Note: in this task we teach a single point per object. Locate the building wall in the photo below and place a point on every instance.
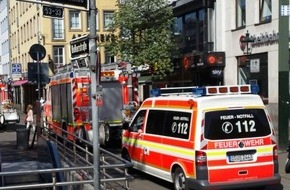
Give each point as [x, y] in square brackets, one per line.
[28, 27]
[4, 38]
[232, 43]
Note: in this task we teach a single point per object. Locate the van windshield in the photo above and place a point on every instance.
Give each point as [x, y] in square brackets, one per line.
[232, 124]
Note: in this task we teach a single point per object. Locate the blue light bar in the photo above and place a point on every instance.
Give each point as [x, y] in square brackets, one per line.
[199, 91]
[255, 89]
[155, 92]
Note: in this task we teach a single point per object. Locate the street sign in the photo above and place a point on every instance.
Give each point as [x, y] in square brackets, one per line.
[52, 11]
[16, 70]
[37, 52]
[79, 46]
[81, 3]
[33, 74]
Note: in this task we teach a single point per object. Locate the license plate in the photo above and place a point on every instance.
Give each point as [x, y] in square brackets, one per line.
[241, 158]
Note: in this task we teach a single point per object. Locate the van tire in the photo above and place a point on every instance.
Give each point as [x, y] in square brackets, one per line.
[179, 179]
[126, 156]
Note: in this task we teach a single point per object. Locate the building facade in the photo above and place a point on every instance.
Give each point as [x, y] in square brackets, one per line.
[221, 26]
[4, 42]
[28, 26]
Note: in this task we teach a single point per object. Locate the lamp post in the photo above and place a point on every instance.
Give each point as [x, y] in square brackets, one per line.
[246, 45]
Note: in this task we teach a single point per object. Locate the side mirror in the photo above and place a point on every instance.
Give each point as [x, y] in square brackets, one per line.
[125, 126]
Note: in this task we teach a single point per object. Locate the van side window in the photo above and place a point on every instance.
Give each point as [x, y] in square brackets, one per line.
[138, 121]
[177, 124]
[169, 123]
[155, 122]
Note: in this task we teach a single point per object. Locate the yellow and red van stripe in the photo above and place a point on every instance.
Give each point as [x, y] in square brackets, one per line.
[162, 155]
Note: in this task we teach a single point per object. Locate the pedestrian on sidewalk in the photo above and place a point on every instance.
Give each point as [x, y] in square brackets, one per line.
[29, 118]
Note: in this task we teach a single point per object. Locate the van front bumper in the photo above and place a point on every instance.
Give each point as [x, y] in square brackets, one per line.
[204, 185]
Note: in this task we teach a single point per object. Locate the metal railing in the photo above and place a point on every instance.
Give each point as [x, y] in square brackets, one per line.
[76, 168]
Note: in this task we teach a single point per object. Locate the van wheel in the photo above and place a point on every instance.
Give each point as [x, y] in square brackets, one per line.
[126, 156]
[179, 179]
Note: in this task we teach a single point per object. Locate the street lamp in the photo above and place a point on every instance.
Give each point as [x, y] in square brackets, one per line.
[246, 46]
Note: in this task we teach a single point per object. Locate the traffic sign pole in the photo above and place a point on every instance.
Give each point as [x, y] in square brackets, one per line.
[94, 84]
[283, 105]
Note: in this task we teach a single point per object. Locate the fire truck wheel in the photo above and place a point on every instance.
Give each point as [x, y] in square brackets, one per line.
[82, 134]
[104, 133]
[179, 179]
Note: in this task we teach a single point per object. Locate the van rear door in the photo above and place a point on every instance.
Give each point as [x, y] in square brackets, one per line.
[239, 144]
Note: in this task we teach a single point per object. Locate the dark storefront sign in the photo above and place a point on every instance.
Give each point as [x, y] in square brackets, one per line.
[217, 73]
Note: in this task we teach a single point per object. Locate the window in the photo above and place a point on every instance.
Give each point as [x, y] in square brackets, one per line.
[155, 122]
[57, 28]
[265, 10]
[58, 55]
[138, 121]
[236, 124]
[108, 19]
[88, 21]
[173, 124]
[178, 26]
[75, 20]
[110, 58]
[240, 13]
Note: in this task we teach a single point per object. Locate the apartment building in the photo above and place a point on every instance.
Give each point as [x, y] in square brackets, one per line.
[28, 26]
[4, 42]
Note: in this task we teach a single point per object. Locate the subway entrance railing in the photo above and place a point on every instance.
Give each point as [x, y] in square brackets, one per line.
[67, 165]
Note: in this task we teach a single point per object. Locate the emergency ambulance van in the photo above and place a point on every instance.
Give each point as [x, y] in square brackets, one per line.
[215, 137]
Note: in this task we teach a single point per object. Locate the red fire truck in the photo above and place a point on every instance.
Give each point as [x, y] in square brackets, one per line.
[68, 103]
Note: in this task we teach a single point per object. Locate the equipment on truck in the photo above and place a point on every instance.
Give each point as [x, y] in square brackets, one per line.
[68, 104]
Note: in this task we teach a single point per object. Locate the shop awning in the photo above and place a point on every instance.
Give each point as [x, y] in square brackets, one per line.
[19, 82]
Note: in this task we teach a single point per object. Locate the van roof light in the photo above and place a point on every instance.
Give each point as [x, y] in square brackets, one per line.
[219, 90]
[206, 90]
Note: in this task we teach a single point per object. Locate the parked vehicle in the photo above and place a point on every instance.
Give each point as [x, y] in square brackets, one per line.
[215, 137]
[8, 113]
[68, 103]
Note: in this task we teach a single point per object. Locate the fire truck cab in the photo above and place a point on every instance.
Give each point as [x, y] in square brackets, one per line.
[215, 137]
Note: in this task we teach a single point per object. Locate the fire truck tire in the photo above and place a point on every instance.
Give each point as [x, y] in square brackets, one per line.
[82, 134]
[104, 134]
[179, 179]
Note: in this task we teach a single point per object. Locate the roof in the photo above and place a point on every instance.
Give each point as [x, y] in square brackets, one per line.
[204, 102]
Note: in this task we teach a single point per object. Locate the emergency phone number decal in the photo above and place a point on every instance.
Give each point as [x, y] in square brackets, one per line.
[245, 123]
[180, 125]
